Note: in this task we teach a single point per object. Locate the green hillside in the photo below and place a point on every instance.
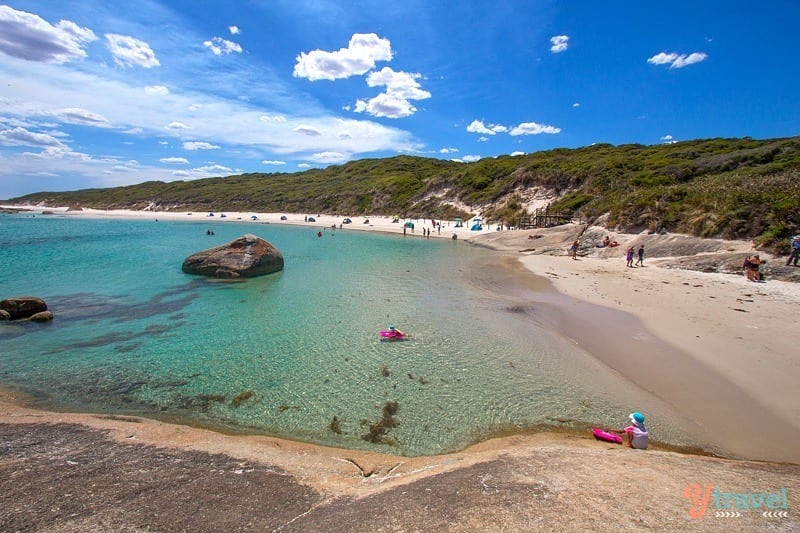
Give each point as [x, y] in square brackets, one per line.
[730, 188]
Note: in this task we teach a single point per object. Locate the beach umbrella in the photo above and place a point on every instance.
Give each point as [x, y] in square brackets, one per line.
[254, 217]
[409, 224]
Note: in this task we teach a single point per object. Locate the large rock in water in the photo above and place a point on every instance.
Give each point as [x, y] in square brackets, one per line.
[22, 307]
[246, 257]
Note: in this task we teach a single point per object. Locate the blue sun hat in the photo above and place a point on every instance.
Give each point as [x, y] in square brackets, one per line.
[637, 417]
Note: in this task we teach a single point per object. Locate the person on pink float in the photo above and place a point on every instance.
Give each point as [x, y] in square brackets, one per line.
[636, 433]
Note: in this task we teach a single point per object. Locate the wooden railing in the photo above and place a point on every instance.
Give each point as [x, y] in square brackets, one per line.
[544, 217]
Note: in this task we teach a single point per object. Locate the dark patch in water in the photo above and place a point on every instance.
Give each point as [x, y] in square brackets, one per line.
[157, 329]
[126, 348]
[519, 309]
[92, 306]
[103, 340]
[121, 418]
[202, 402]
[57, 239]
[377, 431]
[242, 397]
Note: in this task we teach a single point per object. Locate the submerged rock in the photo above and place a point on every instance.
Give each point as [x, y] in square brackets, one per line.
[247, 257]
[22, 307]
[44, 316]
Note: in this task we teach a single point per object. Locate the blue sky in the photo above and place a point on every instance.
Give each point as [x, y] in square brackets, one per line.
[105, 93]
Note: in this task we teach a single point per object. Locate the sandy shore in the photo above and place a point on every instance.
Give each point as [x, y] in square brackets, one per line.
[716, 348]
[320, 222]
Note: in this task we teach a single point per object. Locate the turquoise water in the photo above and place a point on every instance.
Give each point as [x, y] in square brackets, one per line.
[134, 334]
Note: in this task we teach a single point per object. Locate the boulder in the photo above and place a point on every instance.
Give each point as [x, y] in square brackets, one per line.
[247, 257]
[23, 306]
[44, 316]
[5, 315]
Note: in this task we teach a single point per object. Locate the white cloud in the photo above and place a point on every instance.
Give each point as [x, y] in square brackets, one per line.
[268, 162]
[482, 139]
[448, 150]
[212, 168]
[576, 104]
[477, 126]
[177, 126]
[667, 137]
[532, 128]
[677, 60]
[28, 36]
[127, 166]
[218, 46]
[62, 153]
[22, 137]
[305, 129]
[181, 174]
[163, 143]
[394, 103]
[402, 84]
[303, 165]
[234, 30]
[131, 52]
[662, 58]
[386, 105]
[559, 43]
[175, 160]
[516, 154]
[199, 145]
[363, 50]
[471, 158]
[272, 118]
[694, 57]
[156, 90]
[76, 115]
[328, 157]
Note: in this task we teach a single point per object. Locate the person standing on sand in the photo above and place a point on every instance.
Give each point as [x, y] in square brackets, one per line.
[629, 257]
[753, 268]
[574, 250]
[640, 261]
[794, 254]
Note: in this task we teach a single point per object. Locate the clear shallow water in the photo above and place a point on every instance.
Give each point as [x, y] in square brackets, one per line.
[134, 334]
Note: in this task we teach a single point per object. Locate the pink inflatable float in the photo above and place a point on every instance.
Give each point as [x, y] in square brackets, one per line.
[392, 334]
[599, 434]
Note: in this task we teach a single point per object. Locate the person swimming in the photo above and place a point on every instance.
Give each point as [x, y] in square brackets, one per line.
[395, 332]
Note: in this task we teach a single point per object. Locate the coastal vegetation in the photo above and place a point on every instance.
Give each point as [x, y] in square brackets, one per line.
[729, 188]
